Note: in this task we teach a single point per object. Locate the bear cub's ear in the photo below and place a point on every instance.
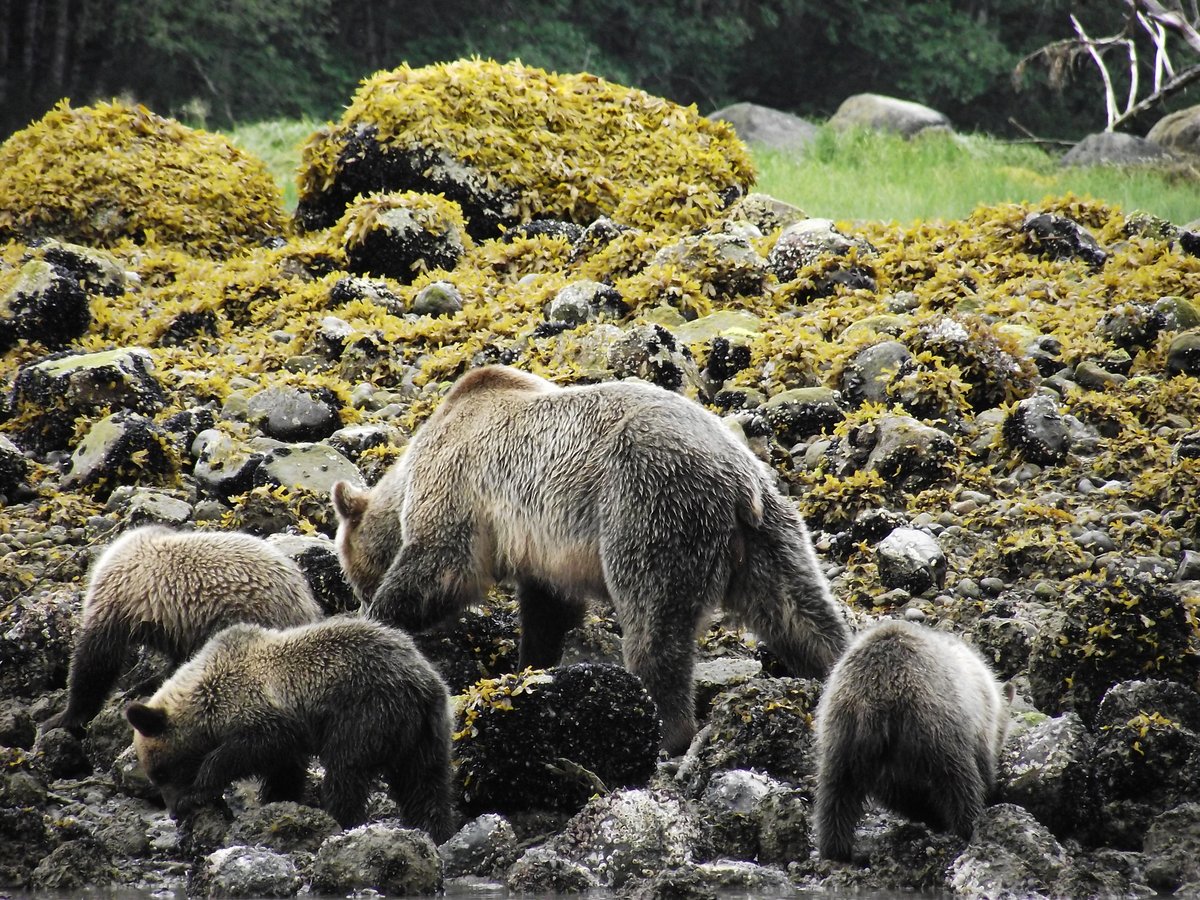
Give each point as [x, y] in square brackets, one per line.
[148, 720]
[349, 502]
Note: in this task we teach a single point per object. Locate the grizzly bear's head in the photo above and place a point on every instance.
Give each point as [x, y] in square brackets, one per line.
[169, 761]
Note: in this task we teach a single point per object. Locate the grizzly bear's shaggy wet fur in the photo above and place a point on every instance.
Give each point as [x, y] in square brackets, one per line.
[622, 490]
[914, 719]
[171, 591]
[260, 702]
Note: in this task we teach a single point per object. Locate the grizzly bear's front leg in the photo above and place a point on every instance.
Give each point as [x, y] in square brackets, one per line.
[273, 749]
[429, 581]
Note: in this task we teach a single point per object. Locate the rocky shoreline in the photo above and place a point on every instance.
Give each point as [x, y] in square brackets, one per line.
[991, 425]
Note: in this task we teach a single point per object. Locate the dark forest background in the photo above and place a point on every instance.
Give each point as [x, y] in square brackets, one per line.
[220, 62]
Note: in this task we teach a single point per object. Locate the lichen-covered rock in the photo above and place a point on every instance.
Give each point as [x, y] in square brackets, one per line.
[288, 414]
[1047, 769]
[511, 143]
[1109, 628]
[1061, 238]
[49, 395]
[284, 827]
[543, 739]
[912, 560]
[897, 854]
[764, 725]
[799, 412]
[486, 846]
[42, 303]
[124, 448]
[141, 174]
[628, 835]
[378, 857]
[1172, 849]
[399, 235]
[1011, 855]
[730, 810]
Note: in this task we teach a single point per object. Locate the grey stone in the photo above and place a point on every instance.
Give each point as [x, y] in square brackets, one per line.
[438, 298]
[803, 243]
[354, 440]
[1093, 376]
[1183, 356]
[1189, 566]
[1112, 148]
[867, 377]
[728, 261]
[16, 724]
[1047, 770]
[399, 242]
[907, 452]
[713, 677]
[290, 414]
[911, 559]
[353, 287]
[652, 353]
[46, 304]
[623, 835]
[314, 467]
[712, 880]
[284, 827]
[766, 213]
[1058, 237]
[882, 113]
[60, 754]
[542, 871]
[378, 857]
[1179, 131]
[580, 301]
[767, 127]
[78, 863]
[485, 846]
[147, 506]
[248, 872]
[225, 465]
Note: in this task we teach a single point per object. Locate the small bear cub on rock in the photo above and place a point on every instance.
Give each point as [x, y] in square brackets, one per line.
[914, 719]
[621, 490]
[171, 591]
[259, 702]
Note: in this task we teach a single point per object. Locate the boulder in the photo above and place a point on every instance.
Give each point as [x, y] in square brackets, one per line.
[1112, 148]
[1183, 356]
[1036, 429]
[1047, 769]
[1010, 855]
[766, 127]
[14, 468]
[122, 449]
[378, 857]
[582, 301]
[730, 810]
[46, 305]
[1172, 850]
[882, 113]
[245, 872]
[289, 414]
[484, 847]
[1178, 131]
[543, 871]
[912, 560]
[400, 235]
[801, 412]
[549, 739]
[284, 827]
[1058, 237]
[317, 558]
[870, 372]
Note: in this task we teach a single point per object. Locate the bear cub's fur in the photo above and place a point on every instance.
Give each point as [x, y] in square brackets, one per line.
[170, 591]
[914, 719]
[622, 490]
[259, 702]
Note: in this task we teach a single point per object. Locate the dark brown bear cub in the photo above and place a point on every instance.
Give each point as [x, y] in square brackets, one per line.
[619, 490]
[259, 702]
[914, 719]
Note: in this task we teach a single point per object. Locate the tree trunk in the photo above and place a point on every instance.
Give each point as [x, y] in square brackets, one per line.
[62, 40]
[29, 57]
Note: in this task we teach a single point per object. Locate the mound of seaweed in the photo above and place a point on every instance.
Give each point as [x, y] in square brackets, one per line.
[511, 143]
[97, 174]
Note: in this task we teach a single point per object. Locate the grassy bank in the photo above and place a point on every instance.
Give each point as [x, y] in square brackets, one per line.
[864, 175]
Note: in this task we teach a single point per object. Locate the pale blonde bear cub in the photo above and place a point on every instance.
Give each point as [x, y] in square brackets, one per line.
[171, 590]
[620, 490]
[914, 719]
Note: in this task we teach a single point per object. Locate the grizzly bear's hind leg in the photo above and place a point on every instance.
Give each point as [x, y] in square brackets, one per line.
[96, 662]
[546, 617]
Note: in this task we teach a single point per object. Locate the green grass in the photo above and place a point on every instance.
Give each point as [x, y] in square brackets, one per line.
[277, 142]
[866, 175]
[872, 176]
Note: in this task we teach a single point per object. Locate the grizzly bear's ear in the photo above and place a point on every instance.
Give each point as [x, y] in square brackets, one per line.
[349, 502]
[148, 720]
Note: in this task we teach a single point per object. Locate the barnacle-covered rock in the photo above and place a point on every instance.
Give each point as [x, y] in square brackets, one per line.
[225, 465]
[124, 448]
[399, 235]
[620, 836]
[483, 847]
[766, 213]
[98, 174]
[511, 143]
[765, 725]
[1136, 324]
[1036, 428]
[731, 812]
[542, 871]
[912, 560]
[1172, 850]
[1183, 356]
[49, 395]
[44, 303]
[800, 412]
[378, 857]
[725, 262]
[317, 558]
[900, 449]
[1109, 627]
[245, 872]
[284, 827]
[581, 301]
[807, 241]
[1061, 238]
[1010, 854]
[867, 375]
[480, 644]
[1146, 757]
[78, 863]
[551, 739]
[1047, 769]
[650, 352]
[14, 467]
[993, 369]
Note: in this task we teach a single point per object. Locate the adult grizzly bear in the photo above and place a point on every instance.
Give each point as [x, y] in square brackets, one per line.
[622, 490]
[259, 702]
[171, 591]
[913, 718]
